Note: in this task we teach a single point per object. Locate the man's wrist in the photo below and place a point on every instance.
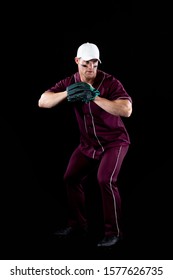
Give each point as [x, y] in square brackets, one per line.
[97, 98]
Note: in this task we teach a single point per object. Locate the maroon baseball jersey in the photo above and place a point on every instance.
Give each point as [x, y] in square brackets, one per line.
[99, 129]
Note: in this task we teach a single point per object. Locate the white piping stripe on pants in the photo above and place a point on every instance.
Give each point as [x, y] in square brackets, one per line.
[111, 178]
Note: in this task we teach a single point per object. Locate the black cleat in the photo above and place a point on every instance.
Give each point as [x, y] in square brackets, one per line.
[108, 241]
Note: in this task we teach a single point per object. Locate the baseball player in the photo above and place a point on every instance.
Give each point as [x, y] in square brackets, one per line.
[100, 102]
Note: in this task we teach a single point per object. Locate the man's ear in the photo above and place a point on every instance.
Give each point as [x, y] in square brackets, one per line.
[76, 59]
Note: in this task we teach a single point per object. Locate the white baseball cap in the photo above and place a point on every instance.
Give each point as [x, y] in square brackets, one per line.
[88, 51]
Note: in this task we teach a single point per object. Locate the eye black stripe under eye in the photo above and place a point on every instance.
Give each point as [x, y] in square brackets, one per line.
[83, 65]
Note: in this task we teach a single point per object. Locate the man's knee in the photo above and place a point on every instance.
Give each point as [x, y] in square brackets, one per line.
[102, 179]
[71, 178]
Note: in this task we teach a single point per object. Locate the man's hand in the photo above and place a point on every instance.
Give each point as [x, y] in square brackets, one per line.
[81, 92]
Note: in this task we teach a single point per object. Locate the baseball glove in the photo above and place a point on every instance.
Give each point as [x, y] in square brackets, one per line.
[81, 92]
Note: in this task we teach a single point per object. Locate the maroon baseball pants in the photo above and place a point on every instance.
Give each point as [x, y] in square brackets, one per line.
[108, 168]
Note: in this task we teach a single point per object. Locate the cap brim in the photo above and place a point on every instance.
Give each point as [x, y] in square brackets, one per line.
[90, 58]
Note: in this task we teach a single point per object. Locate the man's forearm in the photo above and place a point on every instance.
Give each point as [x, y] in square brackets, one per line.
[50, 99]
[119, 107]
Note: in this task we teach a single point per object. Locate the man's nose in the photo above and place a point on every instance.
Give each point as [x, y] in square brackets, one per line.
[91, 64]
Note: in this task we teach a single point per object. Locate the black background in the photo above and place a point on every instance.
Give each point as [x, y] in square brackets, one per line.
[39, 43]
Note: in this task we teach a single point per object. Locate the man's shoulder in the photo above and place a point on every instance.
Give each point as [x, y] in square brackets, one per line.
[62, 84]
[68, 80]
[106, 76]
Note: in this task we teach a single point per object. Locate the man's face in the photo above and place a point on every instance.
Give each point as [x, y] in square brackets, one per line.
[87, 69]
